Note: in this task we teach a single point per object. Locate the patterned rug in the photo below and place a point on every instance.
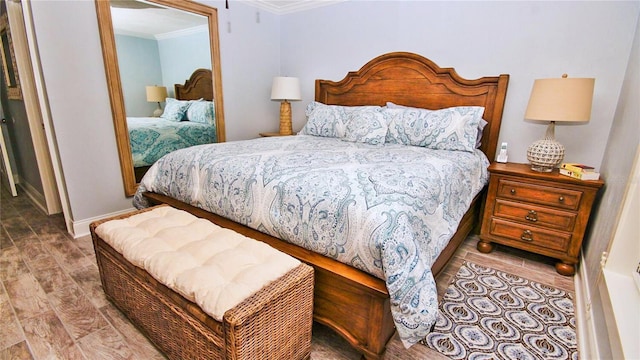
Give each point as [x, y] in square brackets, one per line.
[490, 314]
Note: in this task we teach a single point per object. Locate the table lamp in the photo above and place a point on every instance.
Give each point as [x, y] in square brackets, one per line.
[285, 89]
[559, 99]
[156, 94]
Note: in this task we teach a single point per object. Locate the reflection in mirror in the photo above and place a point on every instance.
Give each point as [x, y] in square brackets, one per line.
[153, 48]
[8, 59]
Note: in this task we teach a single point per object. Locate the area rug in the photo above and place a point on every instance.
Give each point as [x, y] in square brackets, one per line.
[490, 314]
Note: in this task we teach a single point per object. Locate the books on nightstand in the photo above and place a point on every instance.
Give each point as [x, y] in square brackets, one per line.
[577, 167]
[579, 171]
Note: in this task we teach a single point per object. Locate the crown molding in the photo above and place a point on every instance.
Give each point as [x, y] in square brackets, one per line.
[183, 32]
[163, 36]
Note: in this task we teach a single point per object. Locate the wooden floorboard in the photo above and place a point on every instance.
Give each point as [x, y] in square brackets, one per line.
[52, 305]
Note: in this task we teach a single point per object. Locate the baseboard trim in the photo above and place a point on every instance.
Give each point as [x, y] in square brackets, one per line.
[33, 194]
[585, 326]
[81, 227]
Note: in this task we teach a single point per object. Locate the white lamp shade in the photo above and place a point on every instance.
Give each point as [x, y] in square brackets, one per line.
[561, 99]
[156, 93]
[285, 88]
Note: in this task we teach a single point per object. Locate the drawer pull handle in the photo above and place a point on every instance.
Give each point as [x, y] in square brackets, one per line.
[513, 191]
[561, 198]
[532, 216]
[526, 235]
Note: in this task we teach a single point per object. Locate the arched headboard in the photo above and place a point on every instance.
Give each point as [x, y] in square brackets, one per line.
[198, 86]
[412, 80]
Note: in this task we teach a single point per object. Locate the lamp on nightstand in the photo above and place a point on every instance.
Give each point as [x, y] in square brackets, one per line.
[560, 99]
[156, 94]
[285, 89]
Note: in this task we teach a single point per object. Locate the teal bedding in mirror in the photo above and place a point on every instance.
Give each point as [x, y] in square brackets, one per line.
[152, 138]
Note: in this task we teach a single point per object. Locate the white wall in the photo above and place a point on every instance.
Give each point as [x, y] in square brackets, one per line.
[250, 47]
[616, 170]
[527, 40]
[180, 56]
[139, 63]
[73, 70]
[619, 156]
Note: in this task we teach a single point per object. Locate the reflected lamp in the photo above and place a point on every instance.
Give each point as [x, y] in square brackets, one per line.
[285, 89]
[559, 99]
[156, 94]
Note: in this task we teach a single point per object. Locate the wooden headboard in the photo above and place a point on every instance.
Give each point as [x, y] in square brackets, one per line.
[198, 86]
[412, 80]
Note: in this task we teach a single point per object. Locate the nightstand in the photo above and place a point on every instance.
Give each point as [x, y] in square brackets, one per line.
[544, 213]
[269, 134]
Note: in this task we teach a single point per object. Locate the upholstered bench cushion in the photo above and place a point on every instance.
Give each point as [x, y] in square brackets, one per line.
[214, 267]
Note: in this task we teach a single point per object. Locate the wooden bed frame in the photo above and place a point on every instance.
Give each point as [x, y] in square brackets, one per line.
[350, 301]
[198, 86]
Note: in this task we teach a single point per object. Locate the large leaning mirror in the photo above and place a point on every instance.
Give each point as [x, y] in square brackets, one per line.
[162, 62]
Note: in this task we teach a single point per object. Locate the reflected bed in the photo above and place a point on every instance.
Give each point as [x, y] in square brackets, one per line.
[179, 127]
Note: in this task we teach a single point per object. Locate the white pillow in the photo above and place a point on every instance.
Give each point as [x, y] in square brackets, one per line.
[333, 120]
[454, 128]
[174, 110]
[366, 125]
[481, 124]
[201, 111]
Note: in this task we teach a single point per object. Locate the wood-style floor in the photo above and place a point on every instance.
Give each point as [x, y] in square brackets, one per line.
[52, 305]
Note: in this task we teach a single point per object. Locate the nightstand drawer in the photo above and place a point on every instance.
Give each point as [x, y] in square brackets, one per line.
[554, 240]
[539, 194]
[535, 215]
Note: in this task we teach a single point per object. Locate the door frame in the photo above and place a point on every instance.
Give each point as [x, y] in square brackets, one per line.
[6, 162]
[37, 108]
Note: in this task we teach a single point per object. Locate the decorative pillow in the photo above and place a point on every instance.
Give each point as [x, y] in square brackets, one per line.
[323, 120]
[329, 120]
[366, 125]
[481, 124]
[174, 110]
[201, 111]
[454, 128]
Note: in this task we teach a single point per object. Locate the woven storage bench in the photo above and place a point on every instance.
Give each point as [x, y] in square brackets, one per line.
[272, 322]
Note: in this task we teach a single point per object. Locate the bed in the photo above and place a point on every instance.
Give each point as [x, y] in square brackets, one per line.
[179, 127]
[363, 303]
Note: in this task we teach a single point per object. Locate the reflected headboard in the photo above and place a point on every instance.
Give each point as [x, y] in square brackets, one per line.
[198, 86]
[413, 80]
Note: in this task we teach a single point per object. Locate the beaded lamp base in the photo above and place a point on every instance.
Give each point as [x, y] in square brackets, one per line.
[546, 154]
[158, 112]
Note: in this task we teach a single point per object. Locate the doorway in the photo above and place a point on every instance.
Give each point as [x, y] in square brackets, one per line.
[7, 163]
[26, 109]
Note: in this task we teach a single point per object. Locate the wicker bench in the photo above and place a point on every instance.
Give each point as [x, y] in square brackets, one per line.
[152, 265]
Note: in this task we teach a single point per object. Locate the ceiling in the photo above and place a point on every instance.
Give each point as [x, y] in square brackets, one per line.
[150, 21]
[290, 6]
[137, 18]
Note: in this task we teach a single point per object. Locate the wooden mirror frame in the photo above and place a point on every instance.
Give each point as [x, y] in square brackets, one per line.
[114, 85]
[8, 58]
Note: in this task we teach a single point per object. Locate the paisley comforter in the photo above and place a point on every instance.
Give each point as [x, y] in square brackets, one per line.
[386, 209]
[151, 138]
